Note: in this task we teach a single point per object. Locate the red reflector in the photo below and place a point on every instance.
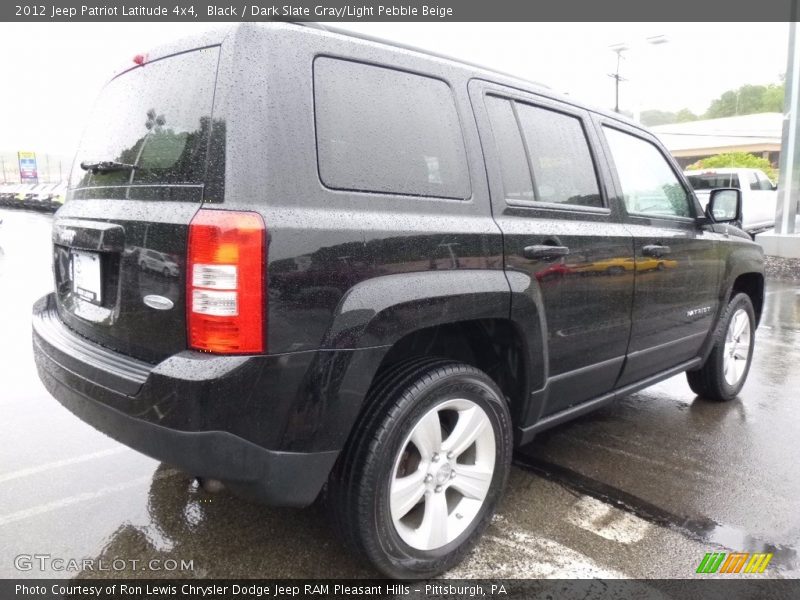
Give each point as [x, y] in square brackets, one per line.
[225, 293]
[140, 59]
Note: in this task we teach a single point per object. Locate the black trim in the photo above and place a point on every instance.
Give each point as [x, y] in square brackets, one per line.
[108, 369]
[269, 476]
[525, 434]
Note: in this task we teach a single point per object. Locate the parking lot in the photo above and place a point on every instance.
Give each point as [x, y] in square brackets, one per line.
[643, 488]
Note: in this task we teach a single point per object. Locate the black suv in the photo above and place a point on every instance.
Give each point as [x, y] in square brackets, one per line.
[302, 262]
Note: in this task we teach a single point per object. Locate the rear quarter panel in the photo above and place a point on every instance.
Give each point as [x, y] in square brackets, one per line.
[323, 243]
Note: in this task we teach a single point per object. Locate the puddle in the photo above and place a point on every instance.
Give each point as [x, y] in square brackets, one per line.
[701, 529]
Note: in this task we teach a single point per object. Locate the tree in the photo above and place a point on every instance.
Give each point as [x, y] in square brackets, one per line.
[747, 100]
[773, 98]
[743, 160]
[663, 117]
[684, 115]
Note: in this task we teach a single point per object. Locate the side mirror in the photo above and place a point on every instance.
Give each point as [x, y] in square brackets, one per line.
[725, 206]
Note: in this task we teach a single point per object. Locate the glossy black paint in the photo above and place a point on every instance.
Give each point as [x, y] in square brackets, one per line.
[357, 280]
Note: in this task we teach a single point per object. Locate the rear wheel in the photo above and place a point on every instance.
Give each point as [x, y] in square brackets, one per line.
[725, 371]
[420, 480]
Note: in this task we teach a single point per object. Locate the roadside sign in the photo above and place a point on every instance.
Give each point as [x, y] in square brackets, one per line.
[28, 173]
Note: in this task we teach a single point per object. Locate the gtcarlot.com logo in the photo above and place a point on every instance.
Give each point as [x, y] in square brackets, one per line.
[737, 562]
[48, 562]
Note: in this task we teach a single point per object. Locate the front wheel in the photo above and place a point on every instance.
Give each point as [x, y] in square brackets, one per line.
[421, 478]
[725, 371]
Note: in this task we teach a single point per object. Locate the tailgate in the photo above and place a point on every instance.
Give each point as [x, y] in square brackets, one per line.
[143, 169]
[120, 276]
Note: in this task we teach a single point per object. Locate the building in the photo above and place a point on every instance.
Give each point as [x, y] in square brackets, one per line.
[758, 134]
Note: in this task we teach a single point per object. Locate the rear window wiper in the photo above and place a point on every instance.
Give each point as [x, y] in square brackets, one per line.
[107, 166]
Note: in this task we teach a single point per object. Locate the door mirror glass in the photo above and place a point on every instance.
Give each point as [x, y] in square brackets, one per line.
[725, 206]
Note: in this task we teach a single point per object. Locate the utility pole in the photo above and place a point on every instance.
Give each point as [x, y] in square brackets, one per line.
[784, 240]
[618, 49]
[786, 209]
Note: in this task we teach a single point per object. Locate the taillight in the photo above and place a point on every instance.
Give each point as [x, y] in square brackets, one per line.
[225, 282]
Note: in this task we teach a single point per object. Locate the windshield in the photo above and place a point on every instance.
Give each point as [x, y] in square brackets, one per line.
[157, 118]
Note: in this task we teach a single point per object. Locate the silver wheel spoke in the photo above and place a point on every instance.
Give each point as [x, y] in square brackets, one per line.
[451, 493]
[434, 526]
[469, 426]
[472, 481]
[406, 493]
[741, 323]
[736, 349]
[427, 436]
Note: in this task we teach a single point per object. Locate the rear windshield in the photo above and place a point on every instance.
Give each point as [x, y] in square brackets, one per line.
[710, 181]
[158, 118]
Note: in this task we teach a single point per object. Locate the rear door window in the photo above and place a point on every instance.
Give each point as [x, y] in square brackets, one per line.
[517, 182]
[387, 131]
[156, 117]
[544, 154]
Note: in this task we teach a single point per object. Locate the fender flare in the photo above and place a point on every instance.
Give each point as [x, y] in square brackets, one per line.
[376, 313]
[740, 261]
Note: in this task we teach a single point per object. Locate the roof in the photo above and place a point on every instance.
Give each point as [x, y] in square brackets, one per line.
[229, 32]
[757, 131]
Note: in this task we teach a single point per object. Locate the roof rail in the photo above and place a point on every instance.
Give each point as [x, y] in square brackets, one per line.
[377, 40]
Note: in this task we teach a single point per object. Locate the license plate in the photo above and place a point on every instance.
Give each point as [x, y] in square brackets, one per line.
[86, 280]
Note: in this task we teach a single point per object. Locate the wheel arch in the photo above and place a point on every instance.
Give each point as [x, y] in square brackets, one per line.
[490, 319]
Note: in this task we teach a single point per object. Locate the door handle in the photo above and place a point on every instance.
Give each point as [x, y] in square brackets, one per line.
[655, 250]
[544, 251]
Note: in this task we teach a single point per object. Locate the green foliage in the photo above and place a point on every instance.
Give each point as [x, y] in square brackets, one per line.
[747, 100]
[663, 117]
[743, 160]
[684, 115]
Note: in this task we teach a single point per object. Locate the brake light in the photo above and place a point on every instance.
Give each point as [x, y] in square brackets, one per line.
[225, 282]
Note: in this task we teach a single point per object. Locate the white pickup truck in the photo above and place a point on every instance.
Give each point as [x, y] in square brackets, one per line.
[759, 195]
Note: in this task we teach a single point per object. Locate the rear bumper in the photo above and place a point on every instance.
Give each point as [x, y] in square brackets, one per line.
[171, 412]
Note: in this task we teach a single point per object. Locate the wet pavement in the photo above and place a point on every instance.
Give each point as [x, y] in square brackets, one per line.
[642, 488]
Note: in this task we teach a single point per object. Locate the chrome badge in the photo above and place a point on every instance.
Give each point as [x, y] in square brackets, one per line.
[158, 302]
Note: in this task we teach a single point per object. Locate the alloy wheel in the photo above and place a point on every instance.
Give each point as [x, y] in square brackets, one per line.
[442, 474]
[737, 347]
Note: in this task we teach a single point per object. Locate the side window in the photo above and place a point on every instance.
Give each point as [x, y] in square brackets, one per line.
[753, 180]
[388, 131]
[517, 184]
[559, 152]
[764, 182]
[649, 186]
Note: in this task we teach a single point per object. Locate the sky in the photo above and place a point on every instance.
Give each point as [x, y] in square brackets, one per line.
[52, 72]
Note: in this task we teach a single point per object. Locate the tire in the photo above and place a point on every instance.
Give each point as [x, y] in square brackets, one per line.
[615, 271]
[165, 272]
[660, 266]
[383, 456]
[711, 380]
